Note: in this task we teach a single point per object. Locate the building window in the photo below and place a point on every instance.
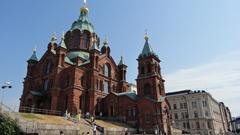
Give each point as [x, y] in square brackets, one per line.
[186, 115]
[176, 116]
[107, 70]
[85, 41]
[106, 87]
[82, 81]
[48, 68]
[194, 104]
[195, 114]
[81, 102]
[149, 68]
[147, 90]
[188, 125]
[209, 125]
[45, 85]
[174, 106]
[183, 115]
[101, 85]
[142, 70]
[197, 125]
[185, 105]
[184, 125]
[206, 113]
[67, 83]
[76, 40]
[204, 102]
[181, 105]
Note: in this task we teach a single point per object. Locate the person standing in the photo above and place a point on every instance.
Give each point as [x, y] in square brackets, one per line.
[94, 129]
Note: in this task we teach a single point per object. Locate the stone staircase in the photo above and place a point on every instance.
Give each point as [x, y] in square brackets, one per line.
[46, 124]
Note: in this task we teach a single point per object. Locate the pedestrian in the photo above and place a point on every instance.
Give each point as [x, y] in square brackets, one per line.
[92, 119]
[83, 133]
[88, 133]
[78, 117]
[94, 129]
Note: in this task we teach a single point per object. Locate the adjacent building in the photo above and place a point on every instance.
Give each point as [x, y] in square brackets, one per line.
[198, 112]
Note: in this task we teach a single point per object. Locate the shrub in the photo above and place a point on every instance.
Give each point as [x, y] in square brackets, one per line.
[8, 126]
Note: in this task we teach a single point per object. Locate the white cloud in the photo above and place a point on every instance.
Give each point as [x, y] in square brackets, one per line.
[220, 77]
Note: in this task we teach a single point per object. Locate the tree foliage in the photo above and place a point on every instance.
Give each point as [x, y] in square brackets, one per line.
[8, 126]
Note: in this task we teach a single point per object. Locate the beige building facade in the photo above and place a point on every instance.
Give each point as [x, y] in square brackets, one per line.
[196, 112]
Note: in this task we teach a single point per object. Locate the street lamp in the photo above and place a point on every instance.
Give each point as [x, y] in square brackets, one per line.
[5, 86]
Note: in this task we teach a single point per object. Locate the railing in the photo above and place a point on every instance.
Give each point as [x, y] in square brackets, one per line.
[40, 111]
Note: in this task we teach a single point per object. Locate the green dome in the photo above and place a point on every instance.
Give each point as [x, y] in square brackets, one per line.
[83, 23]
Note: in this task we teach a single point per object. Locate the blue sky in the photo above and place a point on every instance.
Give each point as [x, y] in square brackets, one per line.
[197, 41]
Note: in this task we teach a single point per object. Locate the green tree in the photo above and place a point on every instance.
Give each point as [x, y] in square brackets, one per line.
[8, 126]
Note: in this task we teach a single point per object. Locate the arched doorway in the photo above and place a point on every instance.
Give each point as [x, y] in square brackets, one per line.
[99, 107]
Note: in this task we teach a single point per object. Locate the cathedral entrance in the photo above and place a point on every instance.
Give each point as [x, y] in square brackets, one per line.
[99, 107]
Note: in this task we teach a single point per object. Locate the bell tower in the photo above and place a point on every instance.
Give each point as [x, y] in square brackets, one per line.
[149, 80]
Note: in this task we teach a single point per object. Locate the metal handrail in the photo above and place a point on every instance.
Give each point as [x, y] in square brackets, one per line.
[38, 110]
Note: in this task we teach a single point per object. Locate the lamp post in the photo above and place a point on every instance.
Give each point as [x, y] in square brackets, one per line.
[5, 86]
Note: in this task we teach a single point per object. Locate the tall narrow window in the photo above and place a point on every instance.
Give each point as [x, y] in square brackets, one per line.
[106, 87]
[147, 90]
[107, 70]
[197, 125]
[149, 68]
[82, 81]
[195, 114]
[45, 85]
[85, 41]
[204, 102]
[174, 106]
[48, 68]
[194, 104]
[66, 102]
[142, 70]
[76, 39]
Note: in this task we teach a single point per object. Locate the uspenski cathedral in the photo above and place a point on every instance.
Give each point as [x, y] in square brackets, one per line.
[79, 74]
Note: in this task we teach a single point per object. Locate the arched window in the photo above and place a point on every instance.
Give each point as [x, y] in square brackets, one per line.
[107, 70]
[85, 41]
[147, 90]
[48, 68]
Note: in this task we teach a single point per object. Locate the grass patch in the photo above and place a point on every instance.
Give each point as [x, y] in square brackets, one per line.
[30, 116]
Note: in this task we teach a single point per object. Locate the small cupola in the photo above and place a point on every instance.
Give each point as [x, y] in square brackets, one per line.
[33, 59]
[105, 49]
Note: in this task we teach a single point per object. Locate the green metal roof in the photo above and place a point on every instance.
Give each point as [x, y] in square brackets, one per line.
[121, 62]
[36, 93]
[83, 23]
[147, 50]
[62, 43]
[94, 46]
[33, 57]
[131, 95]
[67, 60]
[81, 54]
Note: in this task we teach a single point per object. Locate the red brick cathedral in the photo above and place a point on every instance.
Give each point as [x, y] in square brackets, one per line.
[75, 75]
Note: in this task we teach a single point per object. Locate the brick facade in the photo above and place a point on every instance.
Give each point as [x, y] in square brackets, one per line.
[76, 76]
